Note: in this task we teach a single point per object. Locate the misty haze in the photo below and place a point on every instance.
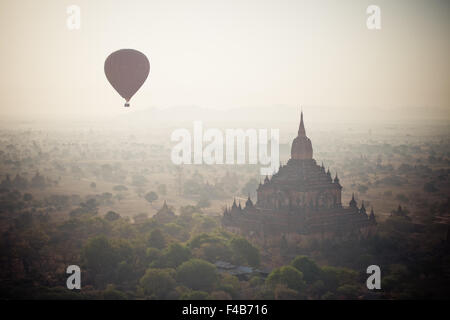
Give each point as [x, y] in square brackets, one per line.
[364, 174]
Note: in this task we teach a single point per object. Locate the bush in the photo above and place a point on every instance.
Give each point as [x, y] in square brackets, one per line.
[27, 197]
[152, 254]
[288, 276]
[334, 277]
[215, 251]
[329, 296]
[244, 251]
[311, 272]
[158, 282]
[219, 295]
[202, 238]
[175, 255]
[100, 255]
[282, 292]
[120, 188]
[110, 293]
[429, 187]
[151, 196]
[197, 274]
[156, 239]
[112, 216]
[194, 295]
[348, 291]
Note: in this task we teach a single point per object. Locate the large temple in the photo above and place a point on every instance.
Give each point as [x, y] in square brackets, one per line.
[300, 200]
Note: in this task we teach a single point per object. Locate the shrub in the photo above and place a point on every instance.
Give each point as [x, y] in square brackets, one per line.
[197, 274]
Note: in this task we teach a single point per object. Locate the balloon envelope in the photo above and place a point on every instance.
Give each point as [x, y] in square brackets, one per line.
[127, 70]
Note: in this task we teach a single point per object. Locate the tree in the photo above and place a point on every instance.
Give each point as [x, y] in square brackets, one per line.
[112, 216]
[111, 293]
[396, 278]
[194, 295]
[125, 273]
[99, 255]
[152, 255]
[215, 251]
[311, 272]
[288, 276]
[27, 197]
[202, 238]
[230, 284]
[335, 277]
[139, 181]
[177, 231]
[197, 274]
[244, 251]
[175, 255]
[348, 291]
[316, 289]
[328, 296]
[158, 282]
[282, 292]
[219, 295]
[429, 187]
[151, 196]
[120, 188]
[157, 239]
[119, 196]
[90, 206]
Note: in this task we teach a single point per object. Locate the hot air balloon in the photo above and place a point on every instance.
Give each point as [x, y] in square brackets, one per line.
[127, 70]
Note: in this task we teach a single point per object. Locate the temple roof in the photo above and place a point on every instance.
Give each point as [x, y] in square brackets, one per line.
[164, 214]
[301, 175]
[301, 172]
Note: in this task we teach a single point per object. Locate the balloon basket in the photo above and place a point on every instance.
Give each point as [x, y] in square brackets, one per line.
[126, 104]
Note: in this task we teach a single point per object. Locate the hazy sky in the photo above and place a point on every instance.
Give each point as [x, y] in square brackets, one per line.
[225, 54]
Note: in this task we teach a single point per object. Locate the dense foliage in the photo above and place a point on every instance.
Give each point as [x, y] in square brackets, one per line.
[177, 260]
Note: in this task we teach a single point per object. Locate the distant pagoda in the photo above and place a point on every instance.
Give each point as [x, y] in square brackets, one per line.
[301, 199]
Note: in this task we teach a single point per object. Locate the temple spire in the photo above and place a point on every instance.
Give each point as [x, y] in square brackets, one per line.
[352, 202]
[301, 148]
[249, 202]
[301, 128]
